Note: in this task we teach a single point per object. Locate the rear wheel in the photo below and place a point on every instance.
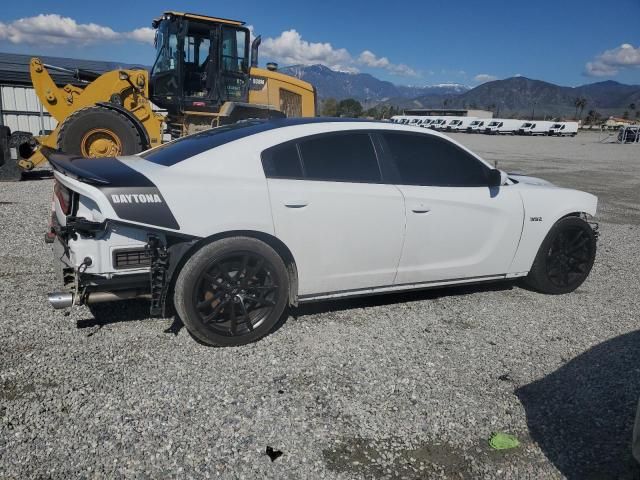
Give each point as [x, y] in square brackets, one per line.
[99, 132]
[232, 291]
[565, 257]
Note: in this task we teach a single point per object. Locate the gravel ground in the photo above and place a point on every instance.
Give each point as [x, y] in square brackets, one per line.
[398, 386]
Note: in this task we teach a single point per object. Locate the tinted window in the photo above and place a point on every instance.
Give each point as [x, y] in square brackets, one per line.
[340, 157]
[432, 161]
[186, 147]
[282, 161]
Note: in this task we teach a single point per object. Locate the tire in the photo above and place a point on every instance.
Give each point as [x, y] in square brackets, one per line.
[565, 257]
[24, 143]
[99, 132]
[217, 284]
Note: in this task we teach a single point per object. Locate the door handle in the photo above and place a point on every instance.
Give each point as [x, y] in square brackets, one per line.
[421, 209]
[296, 204]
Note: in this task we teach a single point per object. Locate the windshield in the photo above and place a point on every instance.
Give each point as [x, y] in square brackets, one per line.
[493, 124]
[557, 125]
[526, 125]
[475, 122]
[456, 122]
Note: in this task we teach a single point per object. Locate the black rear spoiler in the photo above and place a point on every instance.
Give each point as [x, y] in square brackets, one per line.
[72, 165]
[102, 171]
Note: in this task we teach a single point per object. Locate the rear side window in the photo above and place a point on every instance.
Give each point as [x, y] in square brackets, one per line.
[340, 157]
[187, 147]
[282, 161]
[431, 161]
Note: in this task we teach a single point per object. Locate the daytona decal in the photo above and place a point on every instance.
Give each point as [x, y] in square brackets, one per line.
[141, 204]
[136, 198]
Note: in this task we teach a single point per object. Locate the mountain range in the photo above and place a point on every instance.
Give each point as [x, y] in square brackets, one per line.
[511, 96]
[363, 86]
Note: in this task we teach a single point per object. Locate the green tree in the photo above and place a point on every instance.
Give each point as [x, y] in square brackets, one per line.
[592, 117]
[625, 115]
[373, 112]
[349, 107]
[330, 107]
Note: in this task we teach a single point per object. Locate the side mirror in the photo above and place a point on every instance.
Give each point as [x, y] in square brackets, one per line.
[495, 178]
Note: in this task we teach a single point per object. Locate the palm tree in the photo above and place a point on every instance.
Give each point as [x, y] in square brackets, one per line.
[576, 103]
[583, 103]
[579, 103]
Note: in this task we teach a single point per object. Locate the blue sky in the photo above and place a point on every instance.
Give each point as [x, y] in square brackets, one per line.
[568, 42]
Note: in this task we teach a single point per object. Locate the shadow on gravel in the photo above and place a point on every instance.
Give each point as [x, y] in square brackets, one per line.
[37, 175]
[115, 312]
[582, 414]
[391, 298]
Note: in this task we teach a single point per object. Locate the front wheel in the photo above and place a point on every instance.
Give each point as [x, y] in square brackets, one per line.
[565, 257]
[232, 291]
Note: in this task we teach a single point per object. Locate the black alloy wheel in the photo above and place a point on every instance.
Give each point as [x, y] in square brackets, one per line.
[565, 257]
[232, 291]
[568, 258]
[236, 293]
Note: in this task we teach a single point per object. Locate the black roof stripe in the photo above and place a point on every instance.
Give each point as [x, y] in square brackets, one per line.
[187, 147]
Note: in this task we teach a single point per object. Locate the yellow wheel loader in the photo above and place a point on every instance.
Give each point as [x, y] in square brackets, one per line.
[205, 74]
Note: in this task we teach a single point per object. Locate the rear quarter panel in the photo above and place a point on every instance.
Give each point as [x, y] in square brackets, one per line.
[543, 207]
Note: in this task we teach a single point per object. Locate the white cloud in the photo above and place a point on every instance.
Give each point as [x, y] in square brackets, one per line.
[288, 48]
[484, 77]
[291, 48]
[54, 29]
[143, 34]
[610, 62]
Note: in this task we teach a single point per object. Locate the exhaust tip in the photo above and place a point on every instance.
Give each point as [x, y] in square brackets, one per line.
[60, 300]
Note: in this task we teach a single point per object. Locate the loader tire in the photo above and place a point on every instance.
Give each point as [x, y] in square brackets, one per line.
[99, 132]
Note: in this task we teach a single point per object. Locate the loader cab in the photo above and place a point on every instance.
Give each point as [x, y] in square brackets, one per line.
[201, 62]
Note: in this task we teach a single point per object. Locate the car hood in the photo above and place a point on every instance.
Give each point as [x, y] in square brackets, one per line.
[530, 180]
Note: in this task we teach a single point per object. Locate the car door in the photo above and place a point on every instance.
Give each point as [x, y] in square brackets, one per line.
[343, 226]
[456, 226]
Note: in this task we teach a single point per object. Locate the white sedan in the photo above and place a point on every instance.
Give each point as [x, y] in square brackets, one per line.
[233, 225]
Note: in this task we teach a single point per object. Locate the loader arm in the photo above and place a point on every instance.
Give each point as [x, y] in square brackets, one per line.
[125, 89]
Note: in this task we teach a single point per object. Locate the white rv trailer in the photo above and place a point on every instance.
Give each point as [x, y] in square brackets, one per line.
[538, 127]
[502, 126]
[478, 125]
[563, 129]
[460, 124]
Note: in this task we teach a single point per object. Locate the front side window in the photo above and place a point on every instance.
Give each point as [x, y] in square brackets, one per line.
[431, 161]
[340, 157]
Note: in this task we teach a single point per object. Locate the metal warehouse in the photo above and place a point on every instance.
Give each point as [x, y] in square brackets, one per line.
[20, 108]
[448, 112]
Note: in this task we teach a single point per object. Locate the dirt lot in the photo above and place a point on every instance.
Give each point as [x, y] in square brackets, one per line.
[398, 386]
